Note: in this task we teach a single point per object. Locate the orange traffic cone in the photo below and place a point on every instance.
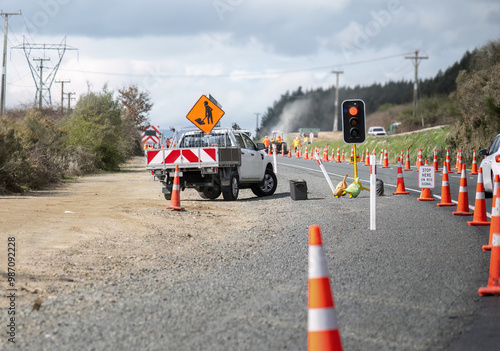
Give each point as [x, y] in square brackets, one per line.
[463, 197]
[493, 287]
[333, 155]
[289, 153]
[175, 199]
[425, 195]
[495, 214]
[458, 166]
[367, 157]
[435, 162]
[400, 190]
[322, 327]
[448, 165]
[419, 160]
[386, 159]
[445, 189]
[407, 163]
[338, 155]
[305, 154]
[363, 156]
[351, 159]
[474, 164]
[342, 159]
[480, 204]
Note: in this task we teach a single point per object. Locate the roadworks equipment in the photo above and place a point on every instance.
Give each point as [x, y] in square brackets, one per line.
[463, 196]
[480, 204]
[474, 164]
[175, 199]
[322, 327]
[445, 189]
[400, 190]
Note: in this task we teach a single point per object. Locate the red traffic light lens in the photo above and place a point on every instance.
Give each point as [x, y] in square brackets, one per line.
[353, 111]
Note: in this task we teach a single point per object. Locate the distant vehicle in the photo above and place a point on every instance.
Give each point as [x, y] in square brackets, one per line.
[377, 131]
[490, 165]
[278, 140]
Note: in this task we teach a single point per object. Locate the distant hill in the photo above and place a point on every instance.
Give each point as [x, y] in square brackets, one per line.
[315, 108]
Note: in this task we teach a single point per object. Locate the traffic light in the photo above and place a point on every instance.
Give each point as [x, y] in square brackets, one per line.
[353, 121]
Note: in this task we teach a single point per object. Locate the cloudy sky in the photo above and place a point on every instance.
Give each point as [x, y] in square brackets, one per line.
[244, 53]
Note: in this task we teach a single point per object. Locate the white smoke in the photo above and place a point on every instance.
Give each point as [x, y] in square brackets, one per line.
[292, 112]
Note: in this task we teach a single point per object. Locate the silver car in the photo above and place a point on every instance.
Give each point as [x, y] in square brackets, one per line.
[490, 164]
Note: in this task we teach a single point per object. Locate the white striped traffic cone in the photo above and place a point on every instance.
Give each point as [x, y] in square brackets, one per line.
[400, 189]
[474, 164]
[322, 327]
[463, 197]
[175, 199]
[445, 189]
[480, 203]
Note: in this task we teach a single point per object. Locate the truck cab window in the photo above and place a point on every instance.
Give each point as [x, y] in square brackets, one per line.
[239, 140]
[250, 144]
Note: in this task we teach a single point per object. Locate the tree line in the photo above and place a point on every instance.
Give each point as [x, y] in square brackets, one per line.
[39, 147]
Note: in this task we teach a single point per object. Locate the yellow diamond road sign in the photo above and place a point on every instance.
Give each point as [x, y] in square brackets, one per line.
[205, 114]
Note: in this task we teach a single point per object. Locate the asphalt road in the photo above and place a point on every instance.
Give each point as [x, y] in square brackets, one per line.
[409, 285]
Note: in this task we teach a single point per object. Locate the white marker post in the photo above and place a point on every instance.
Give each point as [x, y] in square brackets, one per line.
[373, 192]
[275, 162]
[320, 163]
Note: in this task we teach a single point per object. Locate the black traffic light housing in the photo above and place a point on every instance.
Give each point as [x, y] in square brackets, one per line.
[353, 121]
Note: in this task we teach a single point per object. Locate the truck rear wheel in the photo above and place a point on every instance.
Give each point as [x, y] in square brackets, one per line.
[210, 192]
[232, 193]
[268, 185]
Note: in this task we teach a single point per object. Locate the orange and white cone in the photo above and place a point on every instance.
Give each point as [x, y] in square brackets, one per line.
[493, 287]
[333, 155]
[458, 166]
[480, 203]
[400, 190]
[445, 189]
[386, 159]
[351, 159]
[322, 327]
[305, 154]
[435, 162]
[474, 164]
[363, 156]
[289, 153]
[495, 214]
[407, 163]
[338, 155]
[448, 166]
[367, 157]
[175, 198]
[425, 195]
[342, 159]
[463, 197]
[419, 160]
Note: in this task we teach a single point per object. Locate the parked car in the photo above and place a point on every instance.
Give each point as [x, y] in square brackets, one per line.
[377, 131]
[490, 165]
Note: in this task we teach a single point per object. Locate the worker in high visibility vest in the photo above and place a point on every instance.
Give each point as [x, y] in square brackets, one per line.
[296, 144]
[266, 142]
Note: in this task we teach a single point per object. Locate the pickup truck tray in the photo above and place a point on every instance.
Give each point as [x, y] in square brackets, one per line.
[197, 157]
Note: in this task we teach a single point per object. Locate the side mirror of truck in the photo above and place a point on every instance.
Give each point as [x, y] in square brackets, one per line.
[483, 152]
[261, 146]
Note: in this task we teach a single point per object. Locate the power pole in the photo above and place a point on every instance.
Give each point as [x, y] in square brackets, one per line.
[4, 65]
[41, 81]
[336, 115]
[62, 92]
[69, 100]
[257, 124]
[416, 60]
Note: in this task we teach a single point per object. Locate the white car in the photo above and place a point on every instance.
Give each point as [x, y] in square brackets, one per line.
[377, 131]
[490, 164]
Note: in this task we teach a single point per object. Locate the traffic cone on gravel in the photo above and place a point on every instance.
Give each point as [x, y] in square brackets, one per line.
[445, 189]
[400, 190]
[463, 197]
[322, 327]
[480, 203]
[474, 164]
[175, 199]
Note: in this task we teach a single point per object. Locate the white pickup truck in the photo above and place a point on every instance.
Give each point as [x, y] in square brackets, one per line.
[222, 161]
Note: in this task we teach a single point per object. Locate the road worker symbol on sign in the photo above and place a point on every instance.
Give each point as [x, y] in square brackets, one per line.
[205, 114]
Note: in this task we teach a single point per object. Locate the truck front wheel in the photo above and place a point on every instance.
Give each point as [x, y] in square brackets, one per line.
[268, 185]
[231, 193]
